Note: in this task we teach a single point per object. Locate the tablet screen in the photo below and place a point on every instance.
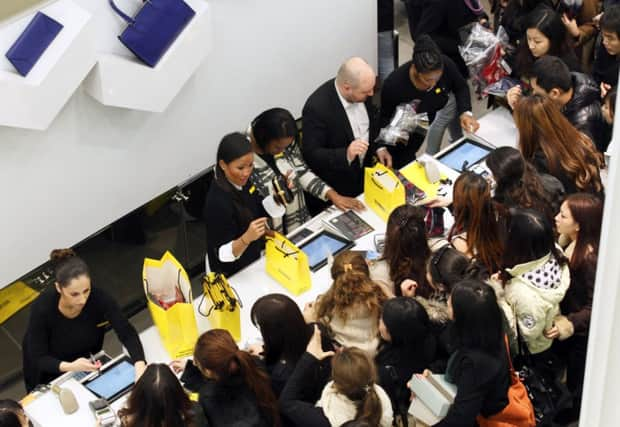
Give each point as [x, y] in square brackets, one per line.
[468, 151]
[319, 248]
[113, 381]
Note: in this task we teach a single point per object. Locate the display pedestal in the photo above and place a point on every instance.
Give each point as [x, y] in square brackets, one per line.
[123, 81]
[32, 102]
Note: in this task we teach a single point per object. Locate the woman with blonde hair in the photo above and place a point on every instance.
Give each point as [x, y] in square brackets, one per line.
[554, 146]
[352, 305]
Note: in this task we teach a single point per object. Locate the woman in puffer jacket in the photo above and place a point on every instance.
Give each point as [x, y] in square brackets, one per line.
[535, 276]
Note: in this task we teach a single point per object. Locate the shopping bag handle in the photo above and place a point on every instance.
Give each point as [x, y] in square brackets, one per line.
[280, 248]
[122, 14]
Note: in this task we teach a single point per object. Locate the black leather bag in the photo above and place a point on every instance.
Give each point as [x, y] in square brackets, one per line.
[541, 377]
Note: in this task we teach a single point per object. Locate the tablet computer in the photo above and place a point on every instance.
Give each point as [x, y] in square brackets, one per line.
[321, 246]
[113, 382]
[464, 154]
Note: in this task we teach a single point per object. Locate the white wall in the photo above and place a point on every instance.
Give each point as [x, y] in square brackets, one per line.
[96, 163]
[602, 382]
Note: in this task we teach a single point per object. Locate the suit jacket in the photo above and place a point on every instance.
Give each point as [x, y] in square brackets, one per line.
[326, 135]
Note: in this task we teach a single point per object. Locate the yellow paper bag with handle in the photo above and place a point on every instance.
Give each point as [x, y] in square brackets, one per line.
[383, 191]
[169, 299]
[224, 304]
[287, 264]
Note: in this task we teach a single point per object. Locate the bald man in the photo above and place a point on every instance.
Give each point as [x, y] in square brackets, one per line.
[339, 125]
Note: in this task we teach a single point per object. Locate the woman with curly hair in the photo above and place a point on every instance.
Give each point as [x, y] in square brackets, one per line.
[352, 305]
[554, 146]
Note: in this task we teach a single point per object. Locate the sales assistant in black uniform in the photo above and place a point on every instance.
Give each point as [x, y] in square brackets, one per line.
[433, 79]
[235, 217]
[68, 323]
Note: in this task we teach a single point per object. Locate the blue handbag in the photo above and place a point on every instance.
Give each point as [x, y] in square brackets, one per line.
[32, 42]
[154, 28]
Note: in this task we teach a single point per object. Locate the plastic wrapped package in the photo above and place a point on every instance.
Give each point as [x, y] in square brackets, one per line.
[404, 121]
[483, 53]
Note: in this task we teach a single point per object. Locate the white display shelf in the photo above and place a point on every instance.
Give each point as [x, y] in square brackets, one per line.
[120, 80]
[32, 102]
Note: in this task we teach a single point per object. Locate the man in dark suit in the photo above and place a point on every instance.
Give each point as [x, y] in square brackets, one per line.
[339, 125]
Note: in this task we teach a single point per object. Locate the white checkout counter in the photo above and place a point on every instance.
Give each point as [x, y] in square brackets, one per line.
[250, 283]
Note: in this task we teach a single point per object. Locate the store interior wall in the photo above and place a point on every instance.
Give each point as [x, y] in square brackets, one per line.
[95, 163]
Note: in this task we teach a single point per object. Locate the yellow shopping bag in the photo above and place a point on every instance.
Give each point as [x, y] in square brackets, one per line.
[383, 191]
[225, 304]
[415, 173]
[169, 298]
[287, 264]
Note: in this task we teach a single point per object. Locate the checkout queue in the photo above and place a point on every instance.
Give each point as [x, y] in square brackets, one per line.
[519, 262]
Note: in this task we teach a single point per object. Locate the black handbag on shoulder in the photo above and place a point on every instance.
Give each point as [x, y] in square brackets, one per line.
[542, 379]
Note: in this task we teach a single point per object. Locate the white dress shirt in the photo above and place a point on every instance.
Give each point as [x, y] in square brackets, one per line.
[358, 119]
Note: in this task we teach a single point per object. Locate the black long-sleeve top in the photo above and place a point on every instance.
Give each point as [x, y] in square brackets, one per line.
[482, 382]
[52, 338]
[577, 303]
[396, 365]
[605, 66]
[398, 89]
[442, 20]
[300, 412]
[226, 223]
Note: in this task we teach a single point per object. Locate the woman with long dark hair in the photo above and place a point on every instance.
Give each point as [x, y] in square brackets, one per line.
[285, 336]
[535, 276]
[12, 414]
[516, 182]
[236, 220]
[479, 365]
[476, 230]
[407, 347]
[405, 254]
[157, 400]
[353, 393]
[579, 219]
[545, 35]
[554, 146]
[232, 389]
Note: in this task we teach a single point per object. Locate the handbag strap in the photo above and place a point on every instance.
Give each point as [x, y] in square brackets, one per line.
[507, 344]
[120, 13]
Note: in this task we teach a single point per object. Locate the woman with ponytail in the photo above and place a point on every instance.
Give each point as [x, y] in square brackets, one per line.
[274, 137]
[351, 395]
[68, 322]
[405, 255]
[232, 389]
[236, 220]
[434, 80]
[352, 305]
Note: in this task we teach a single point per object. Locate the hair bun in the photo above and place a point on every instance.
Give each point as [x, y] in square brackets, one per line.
[59, 255]
[424, 43]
